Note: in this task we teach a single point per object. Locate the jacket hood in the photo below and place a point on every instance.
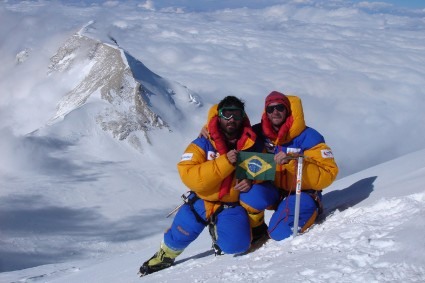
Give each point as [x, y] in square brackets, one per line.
[293, 126]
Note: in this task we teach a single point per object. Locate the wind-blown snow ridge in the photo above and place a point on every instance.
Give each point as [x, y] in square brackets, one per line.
[84, 28]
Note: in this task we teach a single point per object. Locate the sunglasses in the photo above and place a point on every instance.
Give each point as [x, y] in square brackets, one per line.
[278, 107]
[228, 113]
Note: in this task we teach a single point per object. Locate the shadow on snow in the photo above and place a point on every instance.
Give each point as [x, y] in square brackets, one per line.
[36, 233]
[347, 197]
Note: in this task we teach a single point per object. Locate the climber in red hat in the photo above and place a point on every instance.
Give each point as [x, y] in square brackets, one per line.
[284, 133]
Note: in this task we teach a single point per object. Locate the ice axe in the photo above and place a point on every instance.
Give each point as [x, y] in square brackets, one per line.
[298, 194]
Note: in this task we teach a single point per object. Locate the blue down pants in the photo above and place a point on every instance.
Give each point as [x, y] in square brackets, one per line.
[282, 221]
[260, 197]
[232, 227]
[265, 196]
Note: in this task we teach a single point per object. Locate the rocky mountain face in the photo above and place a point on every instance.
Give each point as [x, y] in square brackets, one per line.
[135, 99]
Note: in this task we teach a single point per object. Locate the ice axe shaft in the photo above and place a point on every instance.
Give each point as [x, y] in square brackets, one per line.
[174, 210]
[184, 197]
[298, 194]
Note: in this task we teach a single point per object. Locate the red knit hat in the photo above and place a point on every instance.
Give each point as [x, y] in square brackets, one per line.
[276, 96]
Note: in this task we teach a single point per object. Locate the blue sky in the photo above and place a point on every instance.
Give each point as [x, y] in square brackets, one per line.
[402, 3]
[203, 5]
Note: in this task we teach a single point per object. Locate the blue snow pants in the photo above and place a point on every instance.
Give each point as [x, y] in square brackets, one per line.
[265, 195]
[281, 223]
[232, 227]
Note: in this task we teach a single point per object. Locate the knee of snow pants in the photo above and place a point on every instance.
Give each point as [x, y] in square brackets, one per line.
[185, 227]
[282, 221]
[233, 230]
[260, 197]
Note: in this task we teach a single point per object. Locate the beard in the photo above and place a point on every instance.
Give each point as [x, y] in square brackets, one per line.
[230, 129]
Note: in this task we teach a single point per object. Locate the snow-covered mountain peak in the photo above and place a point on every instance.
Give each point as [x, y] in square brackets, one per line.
[135, 100]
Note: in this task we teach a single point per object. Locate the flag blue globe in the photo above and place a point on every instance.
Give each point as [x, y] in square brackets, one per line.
[255, 165]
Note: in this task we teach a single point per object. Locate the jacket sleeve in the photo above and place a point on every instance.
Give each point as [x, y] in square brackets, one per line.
[203, 174]
[319, 168]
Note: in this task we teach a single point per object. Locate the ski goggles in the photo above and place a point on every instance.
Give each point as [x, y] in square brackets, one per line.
[228, 113]
[278, 107]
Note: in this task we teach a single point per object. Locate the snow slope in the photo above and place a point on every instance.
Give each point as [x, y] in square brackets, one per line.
[371, 231]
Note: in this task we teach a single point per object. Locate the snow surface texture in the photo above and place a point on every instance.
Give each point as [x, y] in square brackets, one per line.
[80, 204]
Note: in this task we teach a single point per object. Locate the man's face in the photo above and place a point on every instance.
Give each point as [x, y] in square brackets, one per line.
[230, 119]
[276, 112]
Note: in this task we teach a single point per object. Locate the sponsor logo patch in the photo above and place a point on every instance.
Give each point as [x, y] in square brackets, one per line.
[186, 156]
[293, 150]
[211, 155]
[184, 232]
[327, 153]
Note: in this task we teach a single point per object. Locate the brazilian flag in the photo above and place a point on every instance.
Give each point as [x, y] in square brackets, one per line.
[255, 166]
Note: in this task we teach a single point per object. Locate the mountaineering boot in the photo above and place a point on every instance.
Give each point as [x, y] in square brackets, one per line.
[216, 249]
[160, 260]
[213, 233]
[258, 227]
[259, 233]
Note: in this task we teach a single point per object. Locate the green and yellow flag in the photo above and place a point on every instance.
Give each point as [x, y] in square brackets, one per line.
[255, 166]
